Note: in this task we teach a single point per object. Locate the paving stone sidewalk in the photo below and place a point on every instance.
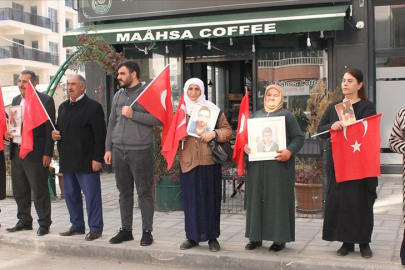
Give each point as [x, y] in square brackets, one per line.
[308, 252]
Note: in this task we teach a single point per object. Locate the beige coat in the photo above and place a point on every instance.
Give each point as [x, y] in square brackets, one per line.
[196, 152]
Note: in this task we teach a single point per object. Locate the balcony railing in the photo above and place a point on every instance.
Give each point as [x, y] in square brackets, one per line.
[25, 17]
[298, 61]
[20, 52]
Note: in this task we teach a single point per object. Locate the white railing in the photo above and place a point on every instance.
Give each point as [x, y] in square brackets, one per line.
[288, 62]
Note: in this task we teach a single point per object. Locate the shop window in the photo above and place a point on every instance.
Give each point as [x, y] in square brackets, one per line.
[286, 60]
[155, 58]
[390, 26]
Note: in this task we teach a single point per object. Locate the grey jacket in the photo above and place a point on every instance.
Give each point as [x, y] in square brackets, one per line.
[129, 134]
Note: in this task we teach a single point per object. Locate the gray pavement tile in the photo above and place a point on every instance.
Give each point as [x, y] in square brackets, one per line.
[308, 250]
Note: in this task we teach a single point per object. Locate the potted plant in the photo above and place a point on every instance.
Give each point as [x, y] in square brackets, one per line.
[308, 184]
[309, 162]
[167, 182]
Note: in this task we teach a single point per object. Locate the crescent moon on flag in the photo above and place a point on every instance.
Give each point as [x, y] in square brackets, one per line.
[242, 124]
[163, 98]
[365, 124]
[182, 107]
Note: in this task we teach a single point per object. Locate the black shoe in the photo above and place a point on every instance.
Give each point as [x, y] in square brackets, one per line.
[345, 249]
[19, 227]
[277, 247]
[147, 238]
[365, 251]
[123, 235]
[92, 236]
[71, 232]
[188, 244]
[214, 245]
[253, 244]
[42, 230]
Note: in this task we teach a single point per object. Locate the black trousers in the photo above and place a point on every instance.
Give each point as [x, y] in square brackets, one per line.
[26, 176]
[2, 176]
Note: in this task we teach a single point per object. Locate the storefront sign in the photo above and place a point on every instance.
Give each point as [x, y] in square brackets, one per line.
[101, 10]
[257, 29]
[215, 26]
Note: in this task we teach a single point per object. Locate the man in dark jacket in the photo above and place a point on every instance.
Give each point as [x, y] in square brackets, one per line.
[31, 173]
[81, 138]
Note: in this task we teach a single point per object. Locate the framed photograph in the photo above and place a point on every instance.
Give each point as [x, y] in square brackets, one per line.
[15, 120]
[345, 112]
[203, 118]
[265, 137]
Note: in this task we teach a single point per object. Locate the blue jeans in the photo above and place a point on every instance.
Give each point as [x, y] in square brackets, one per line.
[73, 184]
[134, 166]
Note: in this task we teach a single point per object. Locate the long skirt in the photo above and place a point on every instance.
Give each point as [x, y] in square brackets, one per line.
[349, 214]
[201, 193]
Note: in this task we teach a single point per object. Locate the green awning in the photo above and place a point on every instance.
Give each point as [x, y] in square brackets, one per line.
[217, 26]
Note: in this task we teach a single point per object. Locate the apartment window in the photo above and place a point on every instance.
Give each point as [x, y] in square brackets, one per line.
[18, 12]
[53, 16]
[53, 49]
[34, 10]
[68, 25]
[18, 49]
[35, 44]
[18, 42]
[18, 7]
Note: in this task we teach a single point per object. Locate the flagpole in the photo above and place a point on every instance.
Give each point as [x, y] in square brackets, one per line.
[355, 122]
[148, 86]
[42, 105]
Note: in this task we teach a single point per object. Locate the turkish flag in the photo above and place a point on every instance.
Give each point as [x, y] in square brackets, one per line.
[159, 90]
[177, 131]
[242, 135]
[3, 119]
[34, 115]
[356, 149]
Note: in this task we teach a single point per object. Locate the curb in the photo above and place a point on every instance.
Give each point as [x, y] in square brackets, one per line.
[191, 259]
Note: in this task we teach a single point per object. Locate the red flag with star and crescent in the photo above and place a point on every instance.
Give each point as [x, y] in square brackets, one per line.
[356, 149]
[157, 100]
[242, 135]
[34, 115]
[177, 131]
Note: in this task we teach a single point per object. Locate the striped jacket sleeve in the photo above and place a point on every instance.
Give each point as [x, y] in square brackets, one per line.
[397, 138]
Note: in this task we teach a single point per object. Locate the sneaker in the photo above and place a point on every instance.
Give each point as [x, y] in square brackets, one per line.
[123, 235]
[147, 238]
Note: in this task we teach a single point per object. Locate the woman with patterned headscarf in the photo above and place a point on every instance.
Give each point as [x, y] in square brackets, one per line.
[200, 177]
[270, 211]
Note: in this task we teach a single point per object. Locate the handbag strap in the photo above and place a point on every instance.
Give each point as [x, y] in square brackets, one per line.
[219, 116]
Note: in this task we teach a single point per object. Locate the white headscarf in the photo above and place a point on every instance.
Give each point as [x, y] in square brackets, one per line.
[201, 98]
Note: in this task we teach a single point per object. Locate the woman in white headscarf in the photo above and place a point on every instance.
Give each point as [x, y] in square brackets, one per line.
[200, 177]
[270, 213]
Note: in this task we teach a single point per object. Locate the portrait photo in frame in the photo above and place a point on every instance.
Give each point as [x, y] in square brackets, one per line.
[203, 118]
[265, 137]
[345, 112]
[15, 120]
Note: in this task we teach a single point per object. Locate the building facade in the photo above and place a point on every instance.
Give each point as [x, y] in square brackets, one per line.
[233, 44]
[31, 35]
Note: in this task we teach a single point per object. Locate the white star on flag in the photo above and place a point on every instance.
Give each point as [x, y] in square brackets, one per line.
[356, 146]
